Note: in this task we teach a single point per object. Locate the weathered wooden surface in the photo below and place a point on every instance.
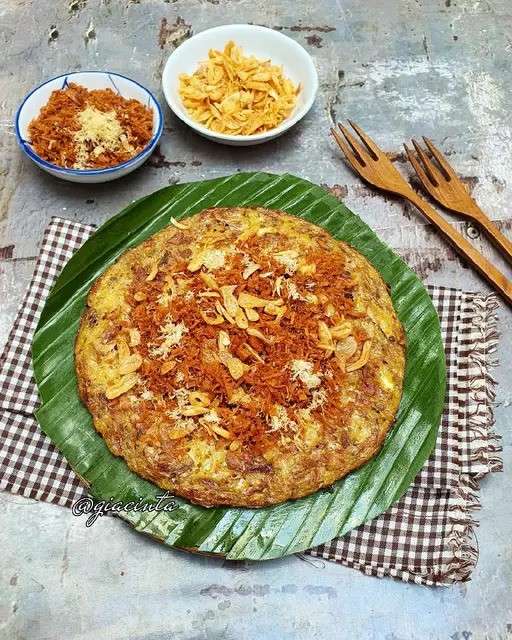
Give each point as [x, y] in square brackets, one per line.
[400, 68]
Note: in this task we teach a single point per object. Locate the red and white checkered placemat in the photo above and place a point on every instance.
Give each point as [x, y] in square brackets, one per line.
[427, 537]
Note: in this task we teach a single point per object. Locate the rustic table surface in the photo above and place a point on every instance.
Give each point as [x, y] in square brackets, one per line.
[400, 68]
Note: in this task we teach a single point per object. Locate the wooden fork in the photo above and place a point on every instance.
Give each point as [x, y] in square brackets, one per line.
[372, 164]
[447, 188]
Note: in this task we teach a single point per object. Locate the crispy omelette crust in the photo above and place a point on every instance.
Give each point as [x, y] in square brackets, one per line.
[243, 358]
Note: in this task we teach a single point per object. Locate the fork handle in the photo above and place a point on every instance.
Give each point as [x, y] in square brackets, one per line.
[463, 247]
[499, 239]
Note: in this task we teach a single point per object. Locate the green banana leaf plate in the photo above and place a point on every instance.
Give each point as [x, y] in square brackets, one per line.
[237, 533]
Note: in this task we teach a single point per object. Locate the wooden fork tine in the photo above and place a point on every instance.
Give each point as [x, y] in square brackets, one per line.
[418, 168]
[356, 165]
[358, 150]
[430, 170]
[449, 173]
[370, 144]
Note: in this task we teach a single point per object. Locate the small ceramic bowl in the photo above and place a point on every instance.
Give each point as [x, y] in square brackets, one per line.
[258, 41]
[38, 97]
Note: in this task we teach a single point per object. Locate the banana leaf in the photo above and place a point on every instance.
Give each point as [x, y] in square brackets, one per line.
[238, 533]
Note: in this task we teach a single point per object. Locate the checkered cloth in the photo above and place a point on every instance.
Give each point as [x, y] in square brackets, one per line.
[427, 537]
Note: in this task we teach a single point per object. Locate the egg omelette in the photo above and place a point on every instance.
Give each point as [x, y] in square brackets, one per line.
[242, 357]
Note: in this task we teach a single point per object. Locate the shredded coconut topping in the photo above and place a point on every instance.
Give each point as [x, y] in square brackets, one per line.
[288, 259]
[181, 397]
[293, 292]
[172, 334]
[280, 420]
[319, 398]
[211, 417]
[303, 371]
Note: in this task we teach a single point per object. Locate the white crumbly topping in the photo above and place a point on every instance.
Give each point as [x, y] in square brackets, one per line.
[303, 370]
[100, 130]
[181, 396]
[212, 417]
[289, 260]
[280, 420]
[213, 259]
[293, 292]
[172, 334]
[147, 395]
[318, 399]
[189, 296]
[180, 377]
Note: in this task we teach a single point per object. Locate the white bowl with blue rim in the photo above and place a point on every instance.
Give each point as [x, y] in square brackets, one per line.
[254, 40]
[127, 88]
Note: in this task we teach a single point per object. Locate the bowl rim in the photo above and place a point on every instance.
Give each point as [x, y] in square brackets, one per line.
[271, 133]
[25, 145]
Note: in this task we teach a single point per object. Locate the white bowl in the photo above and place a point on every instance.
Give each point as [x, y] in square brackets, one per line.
[127, 88]
[259, 41]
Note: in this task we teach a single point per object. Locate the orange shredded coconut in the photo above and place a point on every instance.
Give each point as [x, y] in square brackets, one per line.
[63, 136]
